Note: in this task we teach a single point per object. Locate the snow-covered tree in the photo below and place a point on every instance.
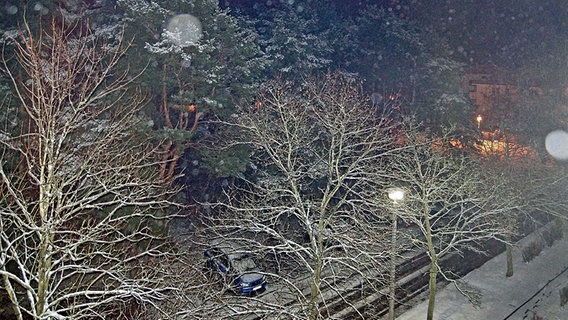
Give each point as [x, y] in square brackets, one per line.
[193, 82]
[319, 157]
[293, 39]
[400, 61]
[82, 208]
[449, 203]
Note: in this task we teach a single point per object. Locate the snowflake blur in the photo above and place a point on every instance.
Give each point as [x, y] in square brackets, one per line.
[184, 30]
[556, 144]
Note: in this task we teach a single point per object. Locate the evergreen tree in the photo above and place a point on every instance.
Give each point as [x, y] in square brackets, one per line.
[196, 83]
[401, 62]
[293, 38]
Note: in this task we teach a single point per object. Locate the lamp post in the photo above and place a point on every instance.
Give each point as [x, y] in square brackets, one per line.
[479, 118]
[396, 195]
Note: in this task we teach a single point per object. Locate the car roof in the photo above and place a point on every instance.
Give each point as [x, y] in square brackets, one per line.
[229, 248]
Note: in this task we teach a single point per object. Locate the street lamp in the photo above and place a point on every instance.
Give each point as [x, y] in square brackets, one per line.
[396, 195]
[479, 118]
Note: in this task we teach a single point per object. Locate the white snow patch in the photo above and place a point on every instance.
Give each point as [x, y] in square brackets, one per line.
[533, 289]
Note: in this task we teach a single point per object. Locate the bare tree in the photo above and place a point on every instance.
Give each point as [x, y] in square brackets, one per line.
[533, 188]
[319, 158]
[82, 211]
[449, 205]
[540, 193]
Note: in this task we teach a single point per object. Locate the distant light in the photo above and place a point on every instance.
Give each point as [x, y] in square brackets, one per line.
[556, 144]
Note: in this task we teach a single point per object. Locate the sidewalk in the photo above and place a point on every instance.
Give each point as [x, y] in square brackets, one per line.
[508, 298]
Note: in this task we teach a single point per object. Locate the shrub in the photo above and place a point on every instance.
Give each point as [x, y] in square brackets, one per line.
[532, 250]
[552, 234]
[563, 296]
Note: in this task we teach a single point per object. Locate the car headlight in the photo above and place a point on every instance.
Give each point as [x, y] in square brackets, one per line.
[243, 284]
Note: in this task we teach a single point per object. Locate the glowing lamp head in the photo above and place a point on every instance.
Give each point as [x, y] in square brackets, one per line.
[396, 194]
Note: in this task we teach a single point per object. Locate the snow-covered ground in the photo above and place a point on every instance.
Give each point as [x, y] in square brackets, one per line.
[533, 290]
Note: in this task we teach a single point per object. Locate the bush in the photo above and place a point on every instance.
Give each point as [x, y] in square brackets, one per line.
[532, 250]
[552, 234]
[563, 296]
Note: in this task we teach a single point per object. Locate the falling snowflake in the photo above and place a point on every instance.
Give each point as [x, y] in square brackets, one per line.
[183, 30]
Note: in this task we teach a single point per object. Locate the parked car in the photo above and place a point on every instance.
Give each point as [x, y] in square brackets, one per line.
[237, 268]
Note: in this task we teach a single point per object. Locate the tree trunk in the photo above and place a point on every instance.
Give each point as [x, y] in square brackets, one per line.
[432, 288]
[11, 292]
[43, 274]
[315, 290]
[433, 264]
[164, 107]
[46, 192]
[509, 250]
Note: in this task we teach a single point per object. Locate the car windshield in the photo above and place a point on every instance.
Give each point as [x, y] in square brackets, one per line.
[243, 263]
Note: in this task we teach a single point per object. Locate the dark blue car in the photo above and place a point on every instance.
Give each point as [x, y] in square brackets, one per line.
[237, 268]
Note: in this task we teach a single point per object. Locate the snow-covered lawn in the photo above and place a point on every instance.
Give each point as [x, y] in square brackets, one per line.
[533, 290]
